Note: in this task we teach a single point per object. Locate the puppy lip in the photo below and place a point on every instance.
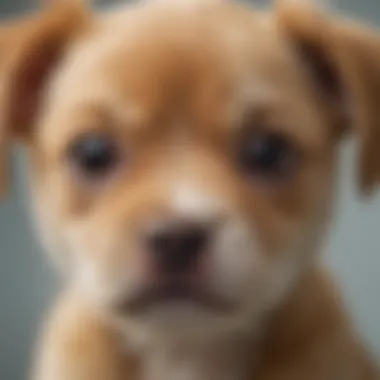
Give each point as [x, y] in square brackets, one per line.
[173, 292]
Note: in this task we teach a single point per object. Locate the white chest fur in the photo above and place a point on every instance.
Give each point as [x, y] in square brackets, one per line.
[196, 363]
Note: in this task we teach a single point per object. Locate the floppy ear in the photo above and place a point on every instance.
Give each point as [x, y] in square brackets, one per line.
[30, 49]
[344, 60]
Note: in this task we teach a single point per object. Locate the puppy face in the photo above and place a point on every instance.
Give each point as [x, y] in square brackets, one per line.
[182, 164]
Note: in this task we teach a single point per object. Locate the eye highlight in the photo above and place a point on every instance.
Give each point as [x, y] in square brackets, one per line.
[267, 155]
[94, 155]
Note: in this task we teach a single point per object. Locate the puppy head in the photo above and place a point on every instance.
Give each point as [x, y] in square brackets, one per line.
[182, 155]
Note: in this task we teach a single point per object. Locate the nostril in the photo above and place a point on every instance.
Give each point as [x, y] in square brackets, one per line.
[177, 246]
[194, 240]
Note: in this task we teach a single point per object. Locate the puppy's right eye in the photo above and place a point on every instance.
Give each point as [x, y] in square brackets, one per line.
[94, 155]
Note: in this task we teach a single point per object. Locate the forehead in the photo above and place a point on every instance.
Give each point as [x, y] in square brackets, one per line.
[171, 59]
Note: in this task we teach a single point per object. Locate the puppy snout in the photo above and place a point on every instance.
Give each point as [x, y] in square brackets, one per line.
[177, 246]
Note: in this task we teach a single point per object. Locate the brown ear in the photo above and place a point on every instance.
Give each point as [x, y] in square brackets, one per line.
[344, 59]
[30, 49]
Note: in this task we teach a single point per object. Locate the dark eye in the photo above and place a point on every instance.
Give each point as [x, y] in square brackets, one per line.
[268, 155]
[94, 155]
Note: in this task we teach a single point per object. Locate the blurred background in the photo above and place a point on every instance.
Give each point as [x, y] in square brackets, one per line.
[27, 283]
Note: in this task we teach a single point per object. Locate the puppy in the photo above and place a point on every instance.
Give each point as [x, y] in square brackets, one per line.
[182, 158]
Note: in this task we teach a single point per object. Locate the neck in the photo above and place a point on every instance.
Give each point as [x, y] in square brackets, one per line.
[225, 359]
[311, 317]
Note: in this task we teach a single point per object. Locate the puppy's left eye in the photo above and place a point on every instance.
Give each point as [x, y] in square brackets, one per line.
[94, 155]
[267, 155]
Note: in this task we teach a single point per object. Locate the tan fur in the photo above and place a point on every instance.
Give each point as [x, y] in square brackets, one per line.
[174, 84]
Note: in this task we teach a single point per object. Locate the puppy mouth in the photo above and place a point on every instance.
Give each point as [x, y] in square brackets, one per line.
[174, 293]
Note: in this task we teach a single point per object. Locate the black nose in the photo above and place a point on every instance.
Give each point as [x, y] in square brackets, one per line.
[177, 245]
